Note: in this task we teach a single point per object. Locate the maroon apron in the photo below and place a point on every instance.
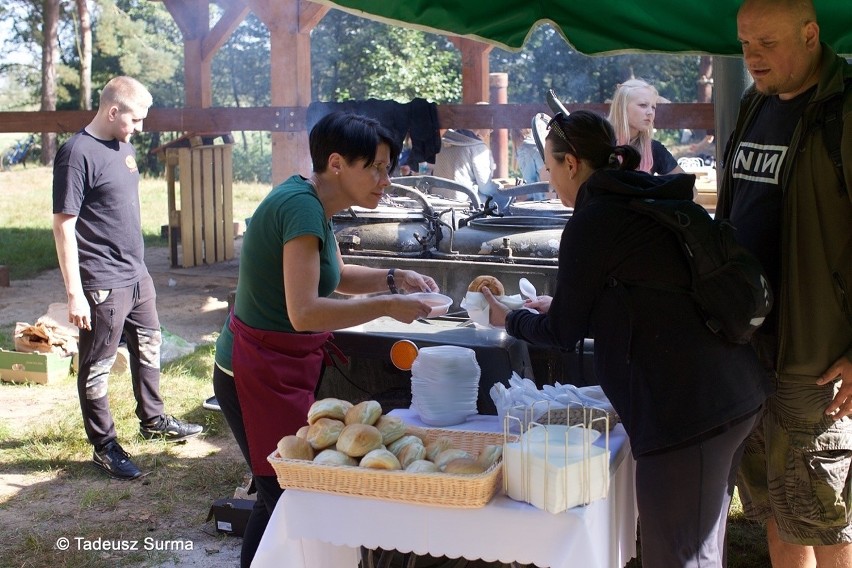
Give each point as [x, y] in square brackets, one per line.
[276, 374]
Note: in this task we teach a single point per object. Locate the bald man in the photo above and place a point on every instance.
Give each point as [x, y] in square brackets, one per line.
[792, 207]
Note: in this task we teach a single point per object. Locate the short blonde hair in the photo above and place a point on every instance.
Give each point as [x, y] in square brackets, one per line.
[126, 93]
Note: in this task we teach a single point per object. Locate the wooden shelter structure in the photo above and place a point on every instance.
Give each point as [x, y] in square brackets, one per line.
[290, 23]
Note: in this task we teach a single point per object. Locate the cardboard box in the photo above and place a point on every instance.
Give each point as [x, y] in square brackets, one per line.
[41, 368]
[231, 515]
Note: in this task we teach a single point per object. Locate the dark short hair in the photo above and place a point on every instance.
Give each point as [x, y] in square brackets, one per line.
[590, 137]
[353, 136]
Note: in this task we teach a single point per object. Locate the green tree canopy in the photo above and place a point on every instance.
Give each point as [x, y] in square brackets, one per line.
[355, 58]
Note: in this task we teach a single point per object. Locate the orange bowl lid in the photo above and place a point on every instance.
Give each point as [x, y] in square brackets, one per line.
[403, 353]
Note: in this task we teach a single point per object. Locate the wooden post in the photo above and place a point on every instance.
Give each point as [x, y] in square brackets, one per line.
[499, 83]
[290, 23]
[474, 55]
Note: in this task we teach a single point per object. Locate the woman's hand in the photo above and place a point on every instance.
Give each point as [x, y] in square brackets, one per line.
[497, 312]
[541, 304]
[411, 281]
[405, 309]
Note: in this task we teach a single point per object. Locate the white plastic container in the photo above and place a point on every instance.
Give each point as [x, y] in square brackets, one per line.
[556, 467]
[445, 384]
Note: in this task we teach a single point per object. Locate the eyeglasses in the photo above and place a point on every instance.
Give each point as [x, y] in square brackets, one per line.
[381, 169]
[556, 125]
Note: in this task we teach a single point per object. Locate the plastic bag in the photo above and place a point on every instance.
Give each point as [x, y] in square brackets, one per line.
[522, 398]
[173, 347]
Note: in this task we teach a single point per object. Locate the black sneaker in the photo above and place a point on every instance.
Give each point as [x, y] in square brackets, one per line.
[211, 404]
[170, 429]
[116, 462]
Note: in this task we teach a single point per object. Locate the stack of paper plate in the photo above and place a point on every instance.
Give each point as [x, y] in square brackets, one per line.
[445, 384]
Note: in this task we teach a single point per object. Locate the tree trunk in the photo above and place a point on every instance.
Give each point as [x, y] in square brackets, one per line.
[49, 58]
[85, 49]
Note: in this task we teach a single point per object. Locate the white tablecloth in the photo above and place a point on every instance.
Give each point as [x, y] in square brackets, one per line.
[323, 530]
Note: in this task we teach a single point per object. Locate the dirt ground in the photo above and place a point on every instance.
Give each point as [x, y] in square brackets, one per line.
[192, 303]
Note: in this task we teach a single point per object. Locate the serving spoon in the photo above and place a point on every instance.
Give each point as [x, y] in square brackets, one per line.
[527, 289]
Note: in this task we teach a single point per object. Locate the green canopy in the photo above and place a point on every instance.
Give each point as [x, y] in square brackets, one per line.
[594, 26]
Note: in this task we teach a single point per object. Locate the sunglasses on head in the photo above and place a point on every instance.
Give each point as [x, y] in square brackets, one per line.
[555, 124]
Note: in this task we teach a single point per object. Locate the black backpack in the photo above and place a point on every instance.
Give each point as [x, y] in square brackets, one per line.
[729, 284]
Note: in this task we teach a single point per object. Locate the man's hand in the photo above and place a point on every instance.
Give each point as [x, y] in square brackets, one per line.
[841, 405]
[497, 312]
[541, 304]
[79, 313]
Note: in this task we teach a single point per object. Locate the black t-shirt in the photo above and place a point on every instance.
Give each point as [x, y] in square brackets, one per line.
[664, 162]
[756, 167]
[98, 182]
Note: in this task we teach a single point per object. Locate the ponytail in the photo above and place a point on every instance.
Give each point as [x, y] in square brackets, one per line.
[624, 157]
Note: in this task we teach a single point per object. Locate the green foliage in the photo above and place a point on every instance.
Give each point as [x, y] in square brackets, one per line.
[241, 67]
[140, 39]
[355, 58]
[253, 157]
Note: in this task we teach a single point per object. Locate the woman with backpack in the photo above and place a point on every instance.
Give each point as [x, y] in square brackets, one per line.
[686, 396]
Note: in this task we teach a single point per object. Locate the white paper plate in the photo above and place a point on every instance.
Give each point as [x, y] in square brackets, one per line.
[439, 302]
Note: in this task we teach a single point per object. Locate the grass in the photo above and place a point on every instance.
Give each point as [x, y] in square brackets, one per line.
[26, 236]
[171, 500]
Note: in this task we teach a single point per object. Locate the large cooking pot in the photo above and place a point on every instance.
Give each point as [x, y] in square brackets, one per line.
[548, 208]
[501, 238]
[406, 222]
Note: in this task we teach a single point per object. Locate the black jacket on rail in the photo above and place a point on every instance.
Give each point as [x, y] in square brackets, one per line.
[670, 379]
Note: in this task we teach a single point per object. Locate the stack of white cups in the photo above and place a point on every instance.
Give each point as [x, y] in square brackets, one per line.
[444, 384]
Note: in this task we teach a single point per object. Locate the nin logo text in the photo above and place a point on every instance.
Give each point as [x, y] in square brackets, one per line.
[759, 162]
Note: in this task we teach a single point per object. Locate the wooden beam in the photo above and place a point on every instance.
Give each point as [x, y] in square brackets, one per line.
[293, 118]
[191, 16]
[235, 12]
[310, 15]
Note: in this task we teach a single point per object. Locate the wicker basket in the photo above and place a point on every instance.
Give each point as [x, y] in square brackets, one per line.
[443, 489]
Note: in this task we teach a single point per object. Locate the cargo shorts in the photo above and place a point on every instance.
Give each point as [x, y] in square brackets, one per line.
[796, 467]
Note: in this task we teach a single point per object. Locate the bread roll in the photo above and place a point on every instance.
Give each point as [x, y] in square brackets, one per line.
[421, 466]
[463, 465]
[437, 446]
[357, 440]
[328, 408]
[367, 412]
[447, 456]
[333, 457]
[324, 432]
[303, 432]
[380, 459]
[410, 453]
[489, 282]
[391, 427]
[397, 445]
[489, 455]
[294, 448]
